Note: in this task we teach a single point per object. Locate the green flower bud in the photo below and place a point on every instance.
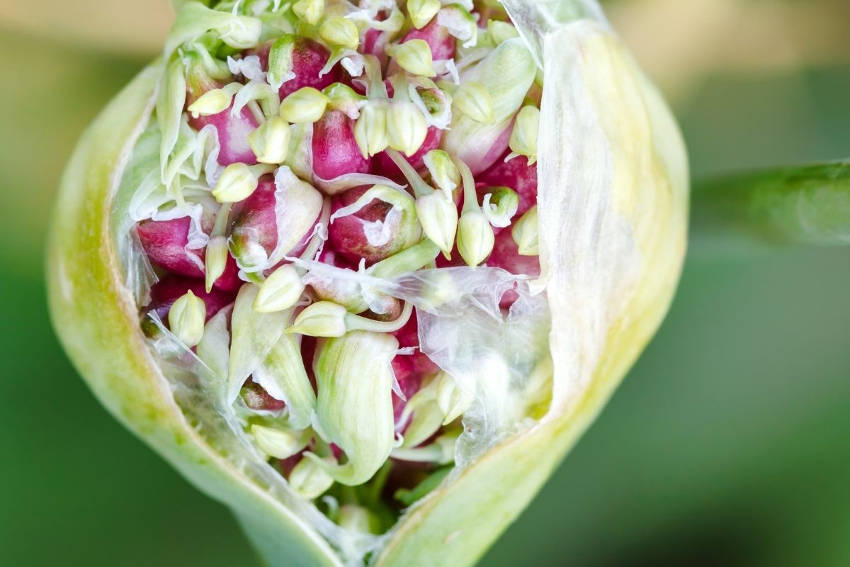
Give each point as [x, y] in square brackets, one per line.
[523, 139]
[280, 291]
[270, 142]
[214, 101]
[186, 319]
[321, 319]
[280, 60]
[277, 442]
[422, 11]
[414, 56]
[310, 479]
[215, 260]
[500, 31]
[344, 98]
[438, 217]
[526, 234]
[473, 100]
[500, 205]
[370, 130]
[340, 31]
[235, 184]
[355, 518]
[306, 105]
[309, 10]
[475, 237]
[443, 171]
[356, 413]
[406, 127]
[452, 400]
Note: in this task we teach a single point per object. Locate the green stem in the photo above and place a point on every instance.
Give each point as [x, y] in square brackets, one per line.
[807, 205]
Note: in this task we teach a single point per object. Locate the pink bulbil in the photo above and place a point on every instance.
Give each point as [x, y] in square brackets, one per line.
[386, 167]
[437, 37]
[335, 151]
[308, 59]
[347, 234]
[169, 289]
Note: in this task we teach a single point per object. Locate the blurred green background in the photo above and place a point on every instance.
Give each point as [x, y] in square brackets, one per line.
[726, 445]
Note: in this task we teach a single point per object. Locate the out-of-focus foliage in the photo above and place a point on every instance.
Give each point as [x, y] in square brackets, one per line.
[726, 444]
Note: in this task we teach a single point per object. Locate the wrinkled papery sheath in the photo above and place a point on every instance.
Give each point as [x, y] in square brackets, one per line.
[612, 174]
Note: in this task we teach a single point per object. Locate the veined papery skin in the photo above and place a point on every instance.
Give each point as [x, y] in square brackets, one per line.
[613, 213]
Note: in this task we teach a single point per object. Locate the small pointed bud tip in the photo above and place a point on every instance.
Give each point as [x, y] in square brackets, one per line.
[340, 31]
[270, 142]
[280, 291]
[211, 102]
[215, 261]
[443, 171]
[321, 319]
[474, 100]
[235, 184]
[452, 400]
[306, 105]
[475, 237]
[414, 56]
[186, 318]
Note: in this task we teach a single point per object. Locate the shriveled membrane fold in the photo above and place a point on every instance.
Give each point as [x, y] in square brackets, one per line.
[612, 177]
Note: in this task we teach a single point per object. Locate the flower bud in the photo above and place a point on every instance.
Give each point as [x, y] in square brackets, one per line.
[344, 98]
[310, 479]
[213, 101]
[440, 42]
[309, 10]
[345, 399]
[320, 319]
[452, 400]
[523, 139]
[500, 205]
[280, 63]
[270, 142]
[278, 442]
[340, 31]
[438, 217]
[422, 11]
[473, 100]
[525, 233]
[370, 130]
[517, 174]
[280, 291]
[303, 106]
[500, 31]
[474, 237]
[215, 260]
[186, 319]
[414, 56]
[355, 518]
[406, 127]
[443, 171]
[235, 184]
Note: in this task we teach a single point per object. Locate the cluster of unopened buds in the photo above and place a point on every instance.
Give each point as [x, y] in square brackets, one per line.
[374, 142]
[365, 271]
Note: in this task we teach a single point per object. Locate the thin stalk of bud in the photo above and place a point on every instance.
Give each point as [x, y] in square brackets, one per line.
[186, 319]
[328, 319]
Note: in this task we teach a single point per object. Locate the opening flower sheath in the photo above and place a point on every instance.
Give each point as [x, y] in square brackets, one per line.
[365, 272]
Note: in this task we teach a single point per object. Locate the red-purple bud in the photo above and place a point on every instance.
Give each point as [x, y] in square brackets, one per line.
[386, 167]
[516, 174]
[506, 256]
[232, 133]
[335, 151]
[308, 58]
